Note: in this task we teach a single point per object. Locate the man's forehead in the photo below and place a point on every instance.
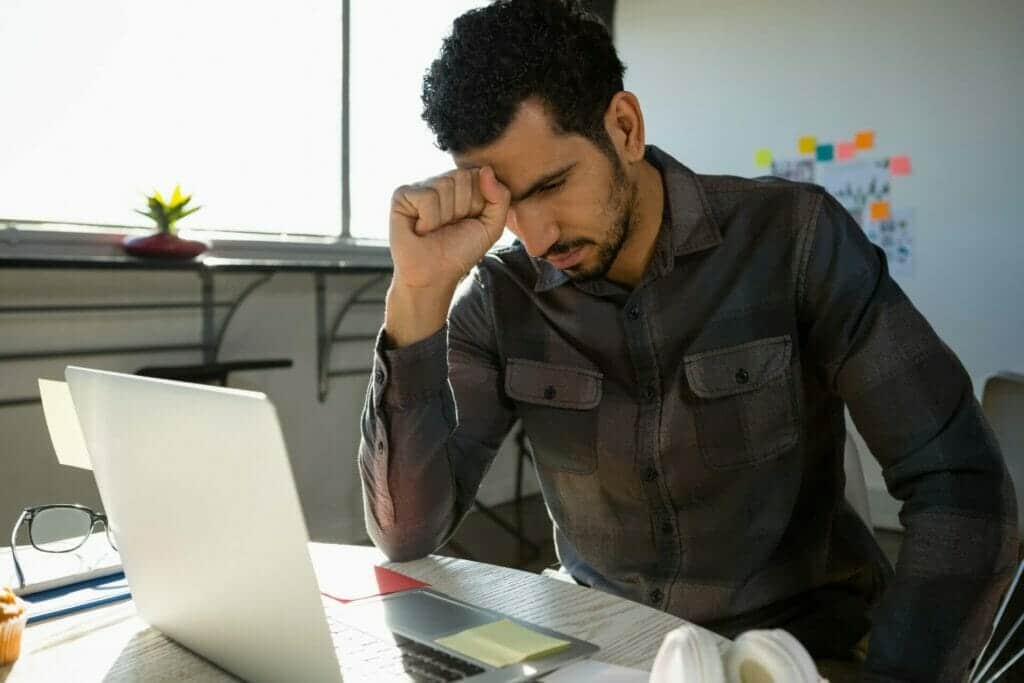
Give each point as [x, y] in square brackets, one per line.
[529, 149]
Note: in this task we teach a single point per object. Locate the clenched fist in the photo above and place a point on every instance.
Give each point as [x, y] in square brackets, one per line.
[440, 229]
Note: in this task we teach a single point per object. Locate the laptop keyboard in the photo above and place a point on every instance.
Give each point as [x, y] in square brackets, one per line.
[365, 657]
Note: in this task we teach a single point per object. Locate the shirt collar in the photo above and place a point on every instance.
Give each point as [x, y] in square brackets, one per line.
[687, 227]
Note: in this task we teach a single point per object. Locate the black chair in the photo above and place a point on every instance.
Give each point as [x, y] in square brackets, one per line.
[207, 373]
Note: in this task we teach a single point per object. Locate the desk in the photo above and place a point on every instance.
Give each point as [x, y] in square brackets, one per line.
[113, 644]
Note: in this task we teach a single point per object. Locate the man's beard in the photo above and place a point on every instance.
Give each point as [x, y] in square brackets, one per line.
[621, 207]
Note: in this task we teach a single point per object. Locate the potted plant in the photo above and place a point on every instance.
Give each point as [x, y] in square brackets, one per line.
[165, 243]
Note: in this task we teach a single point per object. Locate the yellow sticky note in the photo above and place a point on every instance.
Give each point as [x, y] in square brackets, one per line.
[807, 144]
[879, 211]
[502, 643]
[864, 139]
[762, 158]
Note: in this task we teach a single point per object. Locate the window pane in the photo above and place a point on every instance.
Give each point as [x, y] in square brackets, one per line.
[390, 144]
[240, 102]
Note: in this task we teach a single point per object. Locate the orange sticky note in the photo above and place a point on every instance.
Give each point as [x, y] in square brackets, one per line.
[879, 211]
[808, 144]
[846, 150]
[864, 139]
[763, 157]
[899, 165]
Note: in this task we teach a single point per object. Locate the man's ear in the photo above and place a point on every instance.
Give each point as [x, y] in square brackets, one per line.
[624, 122]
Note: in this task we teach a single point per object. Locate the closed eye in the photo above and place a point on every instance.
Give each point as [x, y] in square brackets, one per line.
[550, 187]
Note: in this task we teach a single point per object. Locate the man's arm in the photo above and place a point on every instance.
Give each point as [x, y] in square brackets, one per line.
[912, 401]
[433, 421]
[420, 458]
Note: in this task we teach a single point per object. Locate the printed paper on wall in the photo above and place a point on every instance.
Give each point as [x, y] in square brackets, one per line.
[856, 184]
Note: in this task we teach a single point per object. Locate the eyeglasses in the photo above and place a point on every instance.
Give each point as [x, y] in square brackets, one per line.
[59, 528]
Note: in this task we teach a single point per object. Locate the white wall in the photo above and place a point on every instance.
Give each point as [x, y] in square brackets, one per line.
[717, 80]
[941, 81]
[278, 321]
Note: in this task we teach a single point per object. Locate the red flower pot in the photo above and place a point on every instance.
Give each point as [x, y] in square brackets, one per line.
[163, 245]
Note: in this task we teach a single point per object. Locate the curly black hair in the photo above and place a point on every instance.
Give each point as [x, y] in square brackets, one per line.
[502, 54]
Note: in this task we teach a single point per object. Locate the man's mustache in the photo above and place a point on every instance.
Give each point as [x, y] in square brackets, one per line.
[565, 247]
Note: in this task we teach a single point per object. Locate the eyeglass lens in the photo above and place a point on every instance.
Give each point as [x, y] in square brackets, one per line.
[58, 530]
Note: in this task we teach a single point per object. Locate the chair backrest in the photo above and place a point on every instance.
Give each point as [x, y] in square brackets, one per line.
[1003, 402]
[856, 488]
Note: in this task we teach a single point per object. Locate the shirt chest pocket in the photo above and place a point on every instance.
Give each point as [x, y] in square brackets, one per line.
[745, 408]
[558, 406]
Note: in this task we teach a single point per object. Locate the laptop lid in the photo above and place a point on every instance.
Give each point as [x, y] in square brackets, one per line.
[197, 485]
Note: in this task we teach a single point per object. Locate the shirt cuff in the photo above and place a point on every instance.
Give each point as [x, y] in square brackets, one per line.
[406, 376]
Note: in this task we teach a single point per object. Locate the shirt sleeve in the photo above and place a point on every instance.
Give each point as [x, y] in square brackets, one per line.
[434, 418]
[913, 402]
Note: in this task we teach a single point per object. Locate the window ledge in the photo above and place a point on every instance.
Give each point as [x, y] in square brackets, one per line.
[50, 240]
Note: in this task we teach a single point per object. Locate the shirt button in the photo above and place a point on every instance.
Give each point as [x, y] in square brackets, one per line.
[655, 596]
[742, 376]
[650, 474]
[650, 393]
[666, 528]
[379, 376]
[549, 392]
[634, 312]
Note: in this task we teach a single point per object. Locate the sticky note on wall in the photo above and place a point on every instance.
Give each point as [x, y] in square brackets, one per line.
[846, 150]
[825, 153]
[807, 144]
[879, 211]
[864, 139]
[899, 165]
[763, 157]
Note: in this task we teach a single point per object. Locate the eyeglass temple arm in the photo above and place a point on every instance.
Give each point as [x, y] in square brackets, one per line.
[14, 552]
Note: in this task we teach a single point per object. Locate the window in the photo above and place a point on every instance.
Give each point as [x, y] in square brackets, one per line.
[392, 44]
[240, 102]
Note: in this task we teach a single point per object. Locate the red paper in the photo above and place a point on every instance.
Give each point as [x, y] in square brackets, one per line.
[358, 583]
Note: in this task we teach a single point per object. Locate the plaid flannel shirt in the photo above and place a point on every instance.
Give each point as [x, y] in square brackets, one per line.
[688, 433]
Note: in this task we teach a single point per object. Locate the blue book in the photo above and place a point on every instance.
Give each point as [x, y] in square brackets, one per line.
[75, 597]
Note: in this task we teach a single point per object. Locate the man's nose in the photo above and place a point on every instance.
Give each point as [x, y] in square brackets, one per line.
[536, 231]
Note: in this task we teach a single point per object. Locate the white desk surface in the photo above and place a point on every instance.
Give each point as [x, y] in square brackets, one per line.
[112, 644]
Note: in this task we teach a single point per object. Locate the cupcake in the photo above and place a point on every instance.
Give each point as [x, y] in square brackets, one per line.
[12, 622]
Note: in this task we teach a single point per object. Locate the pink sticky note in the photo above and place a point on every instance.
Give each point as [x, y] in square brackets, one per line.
[900, 165]
[846, 150]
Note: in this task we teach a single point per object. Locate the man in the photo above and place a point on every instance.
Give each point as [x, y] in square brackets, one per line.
[680, 349]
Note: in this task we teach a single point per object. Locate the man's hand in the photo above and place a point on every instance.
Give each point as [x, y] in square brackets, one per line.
[440, 229]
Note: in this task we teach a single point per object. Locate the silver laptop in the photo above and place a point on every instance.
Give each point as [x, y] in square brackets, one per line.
[197, 485]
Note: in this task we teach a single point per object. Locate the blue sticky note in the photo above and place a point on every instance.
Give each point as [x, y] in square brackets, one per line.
[825, 152]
